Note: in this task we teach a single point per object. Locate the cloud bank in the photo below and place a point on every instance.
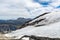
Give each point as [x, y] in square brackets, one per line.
[12, 9]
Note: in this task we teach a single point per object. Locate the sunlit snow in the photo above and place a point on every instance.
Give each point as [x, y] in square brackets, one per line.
[50, 29]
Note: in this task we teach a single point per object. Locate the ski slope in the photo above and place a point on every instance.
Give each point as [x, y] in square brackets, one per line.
[50, 29]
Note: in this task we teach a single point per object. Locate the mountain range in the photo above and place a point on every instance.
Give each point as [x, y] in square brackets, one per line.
[9, 25]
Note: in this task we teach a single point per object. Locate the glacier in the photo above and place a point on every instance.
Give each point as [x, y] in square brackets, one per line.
[50, 27]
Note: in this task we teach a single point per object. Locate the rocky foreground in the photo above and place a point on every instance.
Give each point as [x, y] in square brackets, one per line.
[32, 37]
[2, 37]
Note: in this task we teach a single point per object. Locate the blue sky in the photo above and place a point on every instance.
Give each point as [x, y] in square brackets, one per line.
[12, 9]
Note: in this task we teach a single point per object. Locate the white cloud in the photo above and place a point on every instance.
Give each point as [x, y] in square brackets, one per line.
[55, 3]
[30, 3]
[12, 8]
[45, 0]
[17, 8]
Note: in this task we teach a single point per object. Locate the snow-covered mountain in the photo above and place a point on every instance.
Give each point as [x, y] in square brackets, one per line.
[50, 27]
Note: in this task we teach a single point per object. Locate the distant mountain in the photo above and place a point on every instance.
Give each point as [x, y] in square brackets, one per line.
[9, 25]
[18, 21]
